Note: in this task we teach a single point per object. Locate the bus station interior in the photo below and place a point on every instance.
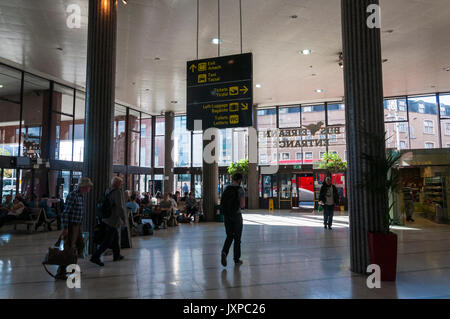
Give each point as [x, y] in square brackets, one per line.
[299, 114]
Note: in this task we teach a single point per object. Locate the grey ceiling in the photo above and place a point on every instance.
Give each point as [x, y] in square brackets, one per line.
[417, 50]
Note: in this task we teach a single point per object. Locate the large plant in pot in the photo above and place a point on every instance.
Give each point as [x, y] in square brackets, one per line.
[382, 244]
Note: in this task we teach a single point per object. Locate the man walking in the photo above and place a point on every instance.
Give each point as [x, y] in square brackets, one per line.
[71, 219]
[113, 223]
[329, 197]
[232, 201]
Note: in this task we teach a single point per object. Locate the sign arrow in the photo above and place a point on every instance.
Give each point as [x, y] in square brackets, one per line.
[244, 89]
[244, 106]
[192, 67]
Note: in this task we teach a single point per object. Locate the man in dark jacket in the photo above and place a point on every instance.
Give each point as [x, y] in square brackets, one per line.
[328, 197]
[233, 202]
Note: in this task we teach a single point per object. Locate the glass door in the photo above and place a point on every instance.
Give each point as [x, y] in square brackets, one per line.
[285, 193]
[268, 190]
[305, 184]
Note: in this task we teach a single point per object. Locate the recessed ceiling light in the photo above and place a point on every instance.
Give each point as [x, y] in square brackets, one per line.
[389, 31]
[216, 41]
[305, 52]
[125, 2]
[446, 69]
[1, 86]
[258, 85]
[294, 16]
[60, 49]
[385, 60]
[319, 90]
[174, 102]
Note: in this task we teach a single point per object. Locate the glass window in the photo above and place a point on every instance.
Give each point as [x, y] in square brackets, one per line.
[422, 118]
[134, 147]
[119, 135]
[159, 141]
[313, 119]
[182, 183]
[396, 138]
[62, 99]
[336, 114]
[198, 185]
[197, 157]
[444, 101]
[267, 119]
[428, 127]
[134, 120]
[289, 116]
[35, 112]
[225, 146]
[395, 110]
[181, 143]
[78, 139]
[10, 79]
[146, 140]
[445, 133]
[63, 126]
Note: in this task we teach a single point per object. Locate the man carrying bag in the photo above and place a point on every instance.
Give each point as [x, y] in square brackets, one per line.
[71, 220]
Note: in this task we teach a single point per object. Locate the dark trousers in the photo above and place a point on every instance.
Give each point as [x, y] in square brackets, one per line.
[233, 228]
[328, 213]
[111, 240]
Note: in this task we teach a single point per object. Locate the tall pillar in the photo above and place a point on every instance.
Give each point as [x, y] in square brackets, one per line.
[210, 179]
[252, 182]
[100, 95]
[168, 160]
[364, 113]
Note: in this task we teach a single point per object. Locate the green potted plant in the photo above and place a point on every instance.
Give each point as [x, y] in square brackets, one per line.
[240, 166]
[382, 178]
[333, 163]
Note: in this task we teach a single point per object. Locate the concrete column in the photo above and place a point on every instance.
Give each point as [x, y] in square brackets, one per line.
[100, 95]
[252, 182]
[210, 178]
[168, 160]
[364, 113]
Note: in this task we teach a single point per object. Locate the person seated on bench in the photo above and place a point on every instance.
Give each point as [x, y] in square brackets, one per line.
[6, 205]
[32, 202]
[166, 206]
[191, 205]
[15, 213]
[185, 197]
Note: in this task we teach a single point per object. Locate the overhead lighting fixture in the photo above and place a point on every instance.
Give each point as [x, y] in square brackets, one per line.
[216, 41]
[258, 85]
[125, 2]
[319, 90]
[305, 52]
[294, 16]
[1, 86]
[174, 102]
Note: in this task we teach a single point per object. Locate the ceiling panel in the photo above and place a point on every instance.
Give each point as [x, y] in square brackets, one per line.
[417, 50]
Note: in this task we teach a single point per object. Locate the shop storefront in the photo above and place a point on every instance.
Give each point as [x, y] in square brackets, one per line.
[426, 174]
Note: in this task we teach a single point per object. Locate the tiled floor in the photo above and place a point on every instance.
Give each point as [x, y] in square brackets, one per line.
[286, 255]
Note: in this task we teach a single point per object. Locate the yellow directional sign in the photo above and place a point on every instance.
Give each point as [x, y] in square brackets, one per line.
[244, 106]
[202, 67]
[234, 107]
[244, 89]
[192, 68]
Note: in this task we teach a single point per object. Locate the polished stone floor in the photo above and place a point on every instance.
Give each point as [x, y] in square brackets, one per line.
[286, 255]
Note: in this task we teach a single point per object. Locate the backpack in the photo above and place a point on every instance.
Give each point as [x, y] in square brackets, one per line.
[230, 201]
[144, 229]
[105, 205]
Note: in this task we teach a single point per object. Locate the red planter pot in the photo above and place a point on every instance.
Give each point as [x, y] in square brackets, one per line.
[383, 252]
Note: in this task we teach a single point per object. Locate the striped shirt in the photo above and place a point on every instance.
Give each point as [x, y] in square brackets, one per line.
[73, 210]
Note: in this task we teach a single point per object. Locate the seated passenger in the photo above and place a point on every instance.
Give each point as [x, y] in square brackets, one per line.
[6, 205]
[185, 197]
[191, 205]
[133, 205]
[32, 202]
[16, 212]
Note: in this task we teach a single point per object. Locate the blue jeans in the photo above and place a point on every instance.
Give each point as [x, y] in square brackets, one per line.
[328, 212]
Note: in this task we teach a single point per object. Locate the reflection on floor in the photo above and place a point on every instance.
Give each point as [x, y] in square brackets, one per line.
[286, 255]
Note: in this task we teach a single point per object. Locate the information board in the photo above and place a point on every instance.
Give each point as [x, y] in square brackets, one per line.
[220, 92]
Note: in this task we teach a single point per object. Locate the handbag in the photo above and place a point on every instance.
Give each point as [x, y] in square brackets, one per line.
[58, 257]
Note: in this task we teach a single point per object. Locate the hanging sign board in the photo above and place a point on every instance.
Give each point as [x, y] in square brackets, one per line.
[220, 92]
